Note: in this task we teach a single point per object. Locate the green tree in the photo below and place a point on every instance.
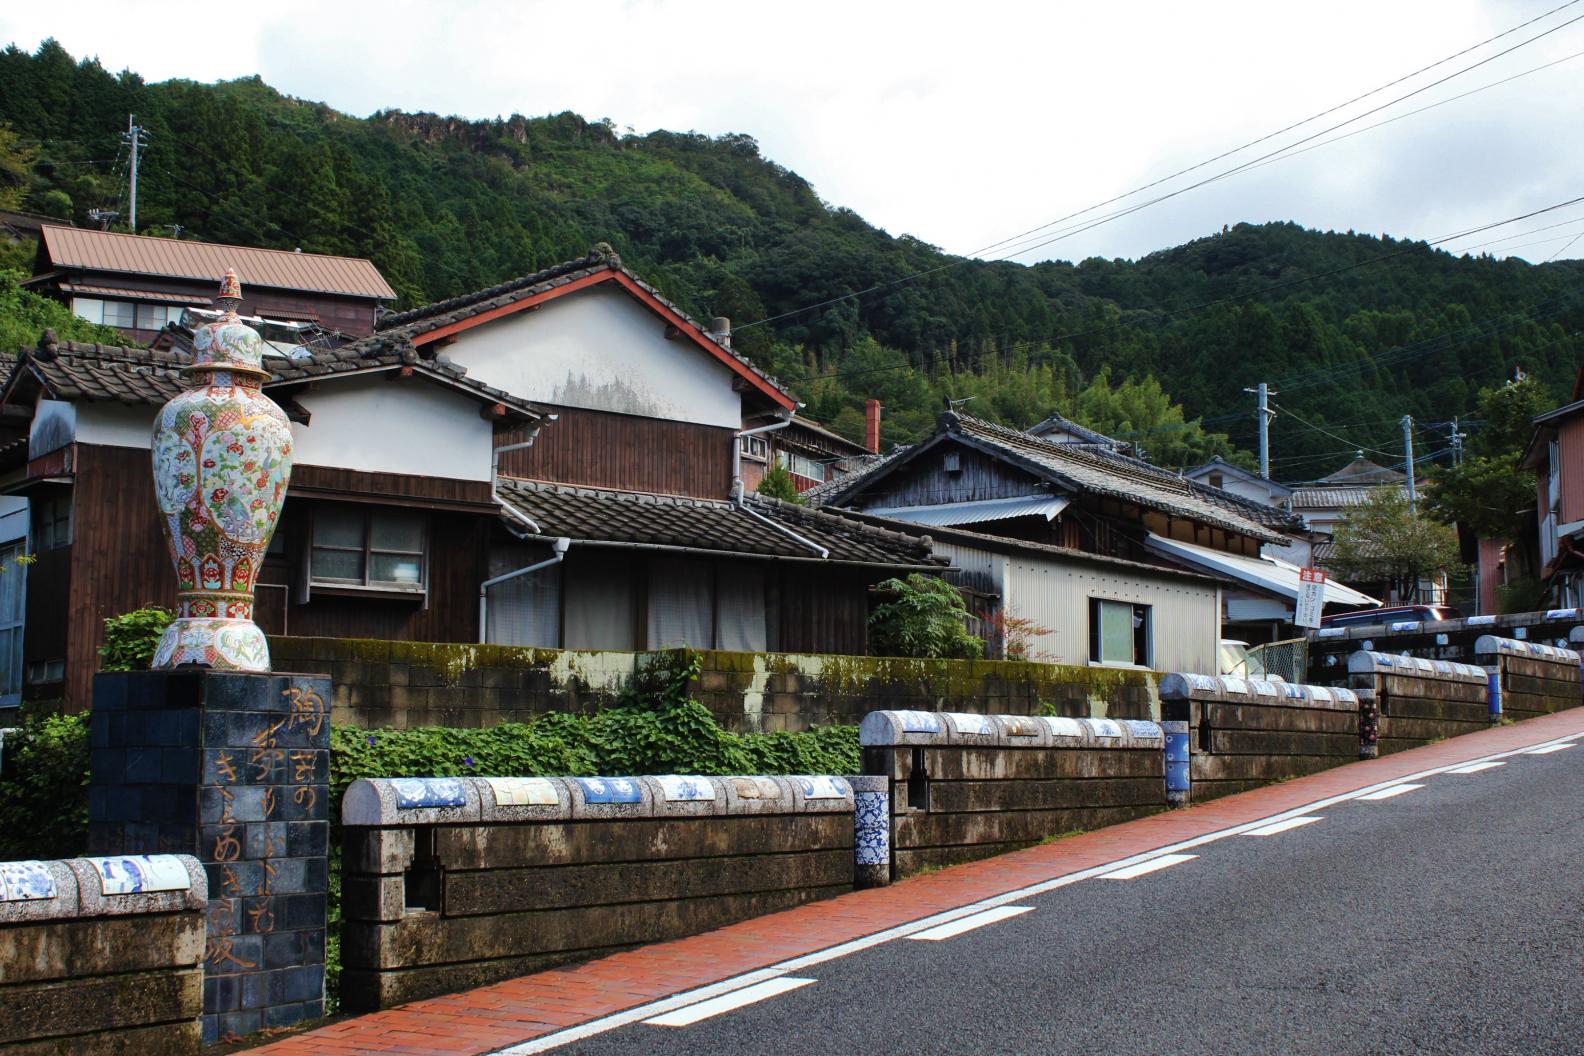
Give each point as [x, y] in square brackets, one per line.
[16, 166]
[1383, 541]
[1487, 492]
[925, 618]
[1142, 413]
[24, 316]
[777, 484]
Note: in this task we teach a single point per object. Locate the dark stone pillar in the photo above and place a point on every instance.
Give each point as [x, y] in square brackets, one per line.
[234, 769]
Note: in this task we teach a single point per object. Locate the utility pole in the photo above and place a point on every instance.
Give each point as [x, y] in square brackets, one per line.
[1407, 428]
[1263, 414]
[1457, 439]
[136, 137]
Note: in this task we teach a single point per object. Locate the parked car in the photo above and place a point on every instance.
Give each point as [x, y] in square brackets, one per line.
[1393, 615]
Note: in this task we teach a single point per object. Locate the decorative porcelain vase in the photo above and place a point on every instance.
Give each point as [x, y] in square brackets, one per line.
[222, 459]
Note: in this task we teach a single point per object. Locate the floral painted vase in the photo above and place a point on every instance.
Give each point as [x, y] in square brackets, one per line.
[222, 459]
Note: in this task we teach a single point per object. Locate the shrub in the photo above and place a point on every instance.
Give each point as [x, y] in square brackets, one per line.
[778, 484]
[130, 639]
[43, 788]
[924, 618]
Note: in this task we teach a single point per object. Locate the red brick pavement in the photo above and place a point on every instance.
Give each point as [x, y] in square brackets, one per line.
[494, 1017]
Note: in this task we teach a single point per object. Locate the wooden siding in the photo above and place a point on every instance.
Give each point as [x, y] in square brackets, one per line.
[1570, 449]
[819, 611]
[928, 483]
[624, 452]
[352, 316]
[400, 489]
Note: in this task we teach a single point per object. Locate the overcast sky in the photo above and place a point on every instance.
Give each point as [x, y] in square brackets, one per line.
[961, 124]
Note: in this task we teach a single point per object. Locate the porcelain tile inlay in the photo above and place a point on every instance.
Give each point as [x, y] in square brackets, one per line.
[871, 829]
[1104, 727]
[415, 792]
[1143, 728]
[686, 789]
[25, 881]
[822, 787]
[523, 791]
[1062, 726]
[919, 721]
[974, 724]
[610, 790]
[756, 788]
[137, 874]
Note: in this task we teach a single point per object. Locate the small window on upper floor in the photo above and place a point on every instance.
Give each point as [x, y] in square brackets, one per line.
[52, 521]
[378, 549]
[1120, 632]
[122, 314]
[754, 447]
[1217, 480]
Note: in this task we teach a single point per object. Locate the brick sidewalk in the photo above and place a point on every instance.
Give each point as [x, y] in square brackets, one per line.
[493, 1017]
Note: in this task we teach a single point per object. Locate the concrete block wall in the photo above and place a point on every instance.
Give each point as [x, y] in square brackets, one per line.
[1416, 700]
[1532, 678]
[451, 883]
[1243, 733]
[102, 955]
[971, 786]
[411, 684]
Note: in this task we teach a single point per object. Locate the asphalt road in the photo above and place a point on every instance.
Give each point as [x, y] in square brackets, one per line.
[1448, 919]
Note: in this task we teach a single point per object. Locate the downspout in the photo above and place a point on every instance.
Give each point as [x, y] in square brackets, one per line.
[559, 546]
[495, 491]
[737, 486]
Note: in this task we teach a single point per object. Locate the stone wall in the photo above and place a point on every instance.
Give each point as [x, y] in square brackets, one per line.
[1532, 679]
[1243, 733]
[101, 956]
[409, 684]
[457, 882]
[1417, 700]
[971, 786]
[1455, 640]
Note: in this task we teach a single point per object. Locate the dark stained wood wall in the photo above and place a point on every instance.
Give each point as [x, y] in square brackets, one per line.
[624, 452]
[927, 482]
[820, 610]
[407, 488]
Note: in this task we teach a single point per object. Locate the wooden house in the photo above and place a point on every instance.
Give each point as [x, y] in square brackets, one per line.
[138, 284]
[1555, 454]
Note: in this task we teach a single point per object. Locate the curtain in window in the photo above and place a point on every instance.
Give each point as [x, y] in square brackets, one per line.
[681, 609]
[599, 605]
[1116, 632]
[740, 597]
[527, 610]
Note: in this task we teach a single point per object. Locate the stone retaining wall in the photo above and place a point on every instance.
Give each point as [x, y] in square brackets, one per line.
[970, 786]
[1455, 640]
[1243, 733]
[1419, 700]
[409, 684]
[1532, 679]
[451, 883]
[102, 955]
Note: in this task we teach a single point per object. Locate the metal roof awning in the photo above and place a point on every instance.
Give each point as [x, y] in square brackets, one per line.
[1266, 574]
[951, 513]
[134, 295]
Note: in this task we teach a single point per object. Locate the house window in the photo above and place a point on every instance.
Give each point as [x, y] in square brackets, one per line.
[43, 672]
[369, 548]
[13, 584]
[1217, 480]
[52, 522]
[1119, 632]
[802, 465]
[89, 308]
[754, 447]
[120, 313]
[155, 316]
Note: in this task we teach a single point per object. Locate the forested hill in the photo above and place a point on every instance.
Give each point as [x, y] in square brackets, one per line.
[443, 205]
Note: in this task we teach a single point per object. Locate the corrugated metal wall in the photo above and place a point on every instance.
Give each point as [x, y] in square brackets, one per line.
[1054, 593]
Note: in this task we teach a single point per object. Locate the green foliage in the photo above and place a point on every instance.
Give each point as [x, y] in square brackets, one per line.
[24, 315]
[1519, 594]
[443, 206]
[777, 484]
[130, 638]
[1488, 492]
[924, 618]
[43, 788]
[16, 166]
[1383, 542]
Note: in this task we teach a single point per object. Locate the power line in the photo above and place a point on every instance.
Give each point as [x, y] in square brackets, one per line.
[1090, 225]
[1334, 436]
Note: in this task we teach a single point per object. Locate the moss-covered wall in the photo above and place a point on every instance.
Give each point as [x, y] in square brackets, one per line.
[408, 684]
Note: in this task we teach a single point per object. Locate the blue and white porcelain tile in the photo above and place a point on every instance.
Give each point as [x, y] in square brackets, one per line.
[973, 725]
[26, 882]
[822, 787]
[1103, 727]
[683, 788]
[610, 790]
[871, 829]
[417, 792]
[1143, 729]
[140, 874]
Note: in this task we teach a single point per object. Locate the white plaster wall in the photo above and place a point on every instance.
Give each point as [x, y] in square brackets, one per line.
[54, 426]
[116, 424]
[381, 425]
[599, 349]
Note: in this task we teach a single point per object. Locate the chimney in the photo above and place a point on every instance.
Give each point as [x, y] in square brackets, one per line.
[872, 426]
[720, 330]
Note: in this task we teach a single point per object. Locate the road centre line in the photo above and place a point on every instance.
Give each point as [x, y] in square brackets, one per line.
[978, 920]
[1477, 767]
[1284, 826]
[1389, 792]
[690, 1014]
[634, 1015]
[1165, 861]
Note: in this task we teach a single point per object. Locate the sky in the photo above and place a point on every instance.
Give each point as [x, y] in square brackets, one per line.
[965, 124]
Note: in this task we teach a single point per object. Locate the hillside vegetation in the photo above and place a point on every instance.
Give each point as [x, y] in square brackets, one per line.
[1140, 348]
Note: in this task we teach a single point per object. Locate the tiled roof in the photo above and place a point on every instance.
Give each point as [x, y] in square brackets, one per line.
[703, 524]
[1058, 423]
[91, 250]
[1316, 498]
[75, 370]
[1088, 469]
[1362, 471]
[399, 331]
[823, 493]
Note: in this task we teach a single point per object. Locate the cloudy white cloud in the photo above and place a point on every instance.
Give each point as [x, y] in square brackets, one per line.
[960, 124]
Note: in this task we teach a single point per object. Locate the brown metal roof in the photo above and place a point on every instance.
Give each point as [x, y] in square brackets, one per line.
[134, 295]
[74, 247]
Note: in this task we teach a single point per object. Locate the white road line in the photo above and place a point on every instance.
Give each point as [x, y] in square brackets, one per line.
[1283, 826]
[611, 1022]
[1477, 767]
[1394, 790]
[978, 920]
[1547, 750]
[1165, 861]
[683, 1017]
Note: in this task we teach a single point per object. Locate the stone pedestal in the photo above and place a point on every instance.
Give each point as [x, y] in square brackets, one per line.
[232, 768]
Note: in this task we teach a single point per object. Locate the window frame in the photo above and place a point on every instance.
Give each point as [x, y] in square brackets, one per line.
[366, 584]
[1143, 634]
[59, 533]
